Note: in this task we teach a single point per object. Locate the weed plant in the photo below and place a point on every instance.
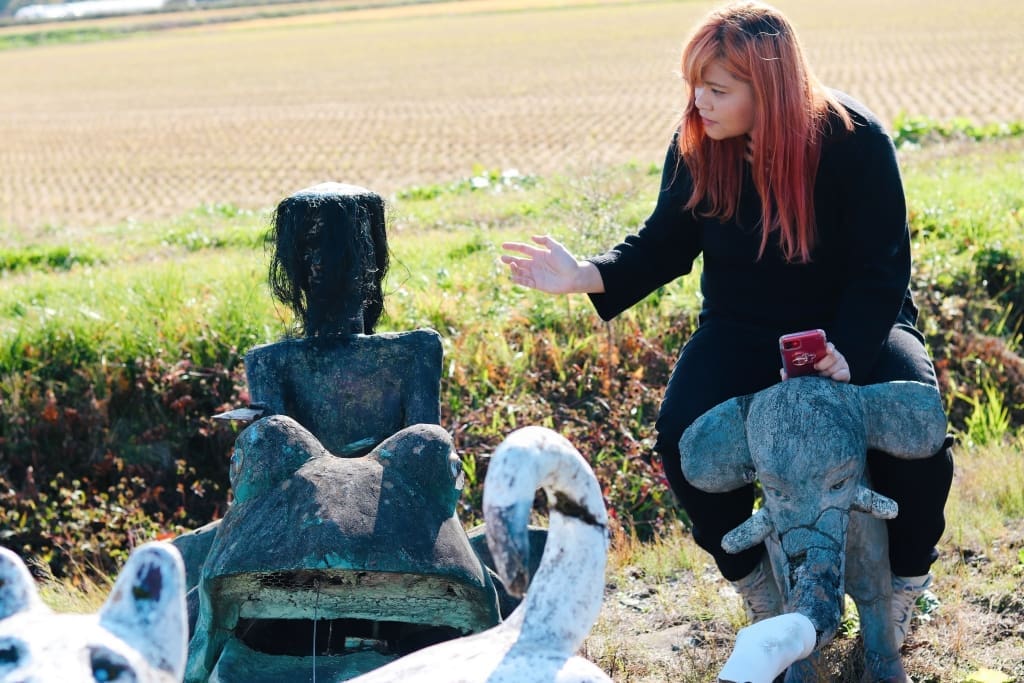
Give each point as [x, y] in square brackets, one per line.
[916, 130]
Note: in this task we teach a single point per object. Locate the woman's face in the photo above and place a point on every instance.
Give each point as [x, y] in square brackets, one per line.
[726, 105]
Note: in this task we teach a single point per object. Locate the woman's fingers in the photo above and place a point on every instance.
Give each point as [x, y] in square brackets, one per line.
[521, 271]
[833, 365]
[548, 241]
[514, 260]
[550, 252]
[522, 248]
[550, 267]
[545, 267]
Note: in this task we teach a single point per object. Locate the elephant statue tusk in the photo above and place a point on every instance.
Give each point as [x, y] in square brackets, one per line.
[874, 504]
[748, 534]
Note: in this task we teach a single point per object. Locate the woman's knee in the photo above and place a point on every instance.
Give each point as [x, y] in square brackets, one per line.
[903, 357]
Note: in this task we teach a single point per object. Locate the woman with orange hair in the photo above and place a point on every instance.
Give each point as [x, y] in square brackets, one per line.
[792, 193]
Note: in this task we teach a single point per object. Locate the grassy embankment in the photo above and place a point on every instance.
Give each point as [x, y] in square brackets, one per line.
[113, 356]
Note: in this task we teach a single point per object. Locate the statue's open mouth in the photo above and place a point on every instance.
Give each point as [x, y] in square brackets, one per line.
[344, 614]
[338, 637]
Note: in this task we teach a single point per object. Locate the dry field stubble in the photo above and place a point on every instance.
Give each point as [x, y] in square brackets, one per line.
[154, 124]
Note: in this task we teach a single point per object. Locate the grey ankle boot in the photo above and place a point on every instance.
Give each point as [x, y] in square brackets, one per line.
[906, 591]
[760, 593]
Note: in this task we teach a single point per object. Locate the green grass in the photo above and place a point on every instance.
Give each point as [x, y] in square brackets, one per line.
[145, 288]
[197, 282]
[963, 203]
[182, 16]
[55, 322]
[990, 490]
[57, 36]
[46, 258]
[194, 288]
[917, 130]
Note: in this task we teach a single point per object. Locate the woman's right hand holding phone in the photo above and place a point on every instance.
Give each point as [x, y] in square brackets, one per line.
[810, 353]
[833, 365]
[551, 268]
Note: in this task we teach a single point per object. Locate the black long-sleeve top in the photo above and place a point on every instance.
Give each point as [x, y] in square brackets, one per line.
[856, 284]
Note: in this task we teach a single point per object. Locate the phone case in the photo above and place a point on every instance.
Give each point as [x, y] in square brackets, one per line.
[800, 351]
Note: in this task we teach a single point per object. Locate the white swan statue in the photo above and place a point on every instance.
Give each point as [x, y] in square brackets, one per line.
[538, 641]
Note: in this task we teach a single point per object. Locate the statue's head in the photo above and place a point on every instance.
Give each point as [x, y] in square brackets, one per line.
[329, 258]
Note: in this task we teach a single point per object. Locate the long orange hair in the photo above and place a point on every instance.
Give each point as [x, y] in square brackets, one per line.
[756, 44]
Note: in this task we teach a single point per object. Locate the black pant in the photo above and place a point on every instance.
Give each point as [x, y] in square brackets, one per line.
[723, 360]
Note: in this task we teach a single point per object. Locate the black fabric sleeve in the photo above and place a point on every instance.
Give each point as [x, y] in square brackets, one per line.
[878, 249]
[663, 249]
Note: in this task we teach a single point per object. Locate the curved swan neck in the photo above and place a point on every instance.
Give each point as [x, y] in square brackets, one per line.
[536, 457]
[564, 597]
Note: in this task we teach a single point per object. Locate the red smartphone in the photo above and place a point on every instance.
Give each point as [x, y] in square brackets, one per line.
[800, 351]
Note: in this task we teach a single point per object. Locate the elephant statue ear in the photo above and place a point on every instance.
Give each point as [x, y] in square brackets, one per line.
[714, 453]
[904, 419]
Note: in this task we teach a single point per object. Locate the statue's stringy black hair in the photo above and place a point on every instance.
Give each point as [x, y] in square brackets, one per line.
[329, 259]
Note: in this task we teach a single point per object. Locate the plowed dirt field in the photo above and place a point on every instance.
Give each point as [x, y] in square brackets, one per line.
[157, 123]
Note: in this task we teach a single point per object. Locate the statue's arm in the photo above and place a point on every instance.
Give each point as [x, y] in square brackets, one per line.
[421, 389]
[264, 380]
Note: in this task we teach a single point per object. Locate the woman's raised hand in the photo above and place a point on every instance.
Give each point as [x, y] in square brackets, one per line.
[550, 267]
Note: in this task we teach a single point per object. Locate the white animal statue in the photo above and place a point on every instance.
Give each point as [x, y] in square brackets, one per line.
[806, 440]
[538, 641]
[139, 636]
